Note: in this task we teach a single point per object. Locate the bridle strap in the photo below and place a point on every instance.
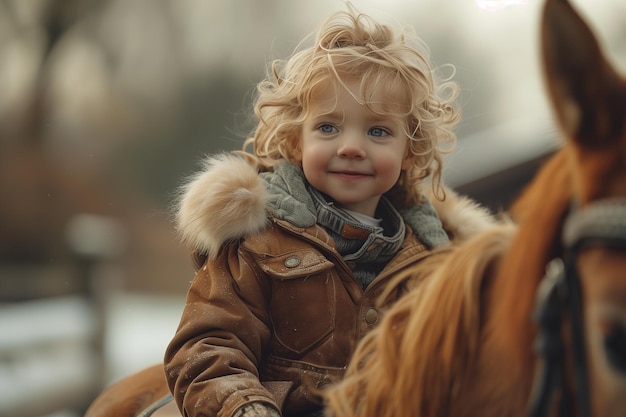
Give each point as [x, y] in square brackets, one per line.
[548, 345]
[575, 309]
[603, 222]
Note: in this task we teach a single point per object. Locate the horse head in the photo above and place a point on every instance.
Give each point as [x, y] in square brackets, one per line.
[589, 100]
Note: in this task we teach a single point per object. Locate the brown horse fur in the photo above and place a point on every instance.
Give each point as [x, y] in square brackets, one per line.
[129, 397]
[460, 344]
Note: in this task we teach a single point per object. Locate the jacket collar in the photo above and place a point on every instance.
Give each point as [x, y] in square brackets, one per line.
[229, 199]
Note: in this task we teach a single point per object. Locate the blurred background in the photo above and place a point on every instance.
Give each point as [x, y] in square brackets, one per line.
[106, 106]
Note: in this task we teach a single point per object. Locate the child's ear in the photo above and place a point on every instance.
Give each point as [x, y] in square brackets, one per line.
[296, 153]
[409, 157]
[408, 160]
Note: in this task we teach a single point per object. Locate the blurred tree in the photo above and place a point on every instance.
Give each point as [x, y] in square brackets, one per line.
[56, 164]
[38, 196]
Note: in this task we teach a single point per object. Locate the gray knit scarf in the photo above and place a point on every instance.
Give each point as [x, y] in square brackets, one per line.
[365, 249]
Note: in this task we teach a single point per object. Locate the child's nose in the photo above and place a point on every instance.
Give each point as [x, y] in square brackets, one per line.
[351, 147]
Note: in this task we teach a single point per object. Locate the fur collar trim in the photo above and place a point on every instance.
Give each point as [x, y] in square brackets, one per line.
[228, 200]
[224, 201]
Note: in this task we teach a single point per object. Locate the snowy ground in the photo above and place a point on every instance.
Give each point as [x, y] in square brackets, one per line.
[47, 363]
[139, 329]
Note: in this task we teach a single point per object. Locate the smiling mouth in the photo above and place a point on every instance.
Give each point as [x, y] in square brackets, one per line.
[350, 174]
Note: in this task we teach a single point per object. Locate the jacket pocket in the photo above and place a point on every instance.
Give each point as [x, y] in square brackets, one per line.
[303, 303]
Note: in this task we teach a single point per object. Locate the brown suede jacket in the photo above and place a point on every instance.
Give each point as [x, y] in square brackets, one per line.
[274, 313]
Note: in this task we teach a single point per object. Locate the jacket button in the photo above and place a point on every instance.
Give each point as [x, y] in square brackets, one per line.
[371, 316]
[292, 262]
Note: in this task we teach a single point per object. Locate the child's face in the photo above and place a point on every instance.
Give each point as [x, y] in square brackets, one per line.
[350, 153]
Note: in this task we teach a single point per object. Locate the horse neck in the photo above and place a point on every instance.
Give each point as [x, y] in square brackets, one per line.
[539, 213]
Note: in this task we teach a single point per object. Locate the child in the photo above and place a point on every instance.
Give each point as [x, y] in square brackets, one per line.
[296, 243]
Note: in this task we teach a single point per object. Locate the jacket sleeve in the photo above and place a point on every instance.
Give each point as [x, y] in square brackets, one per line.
[212, 362]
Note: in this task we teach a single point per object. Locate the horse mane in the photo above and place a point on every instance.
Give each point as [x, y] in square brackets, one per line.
[429, 338]
[425, 340]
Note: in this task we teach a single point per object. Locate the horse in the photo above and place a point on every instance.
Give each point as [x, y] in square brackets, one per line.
[463, 342]
[529, 317]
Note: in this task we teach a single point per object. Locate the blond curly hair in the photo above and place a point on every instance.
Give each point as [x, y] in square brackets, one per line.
[349, 46]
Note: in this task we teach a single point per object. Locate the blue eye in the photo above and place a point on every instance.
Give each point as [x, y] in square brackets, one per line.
[327, 128]
[378, 132]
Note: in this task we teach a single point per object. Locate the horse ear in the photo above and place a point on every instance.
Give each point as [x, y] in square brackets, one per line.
[588, 95]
